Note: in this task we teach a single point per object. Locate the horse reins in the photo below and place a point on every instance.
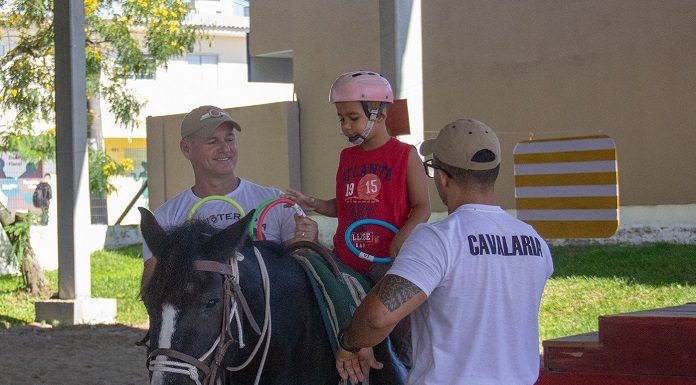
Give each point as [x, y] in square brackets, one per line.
[232, 295]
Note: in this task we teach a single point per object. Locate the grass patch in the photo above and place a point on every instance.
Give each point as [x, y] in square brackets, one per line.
[588, 281]
[115, 274]
[16, 306]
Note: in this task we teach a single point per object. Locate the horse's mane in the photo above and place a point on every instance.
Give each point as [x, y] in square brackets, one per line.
[173, 275]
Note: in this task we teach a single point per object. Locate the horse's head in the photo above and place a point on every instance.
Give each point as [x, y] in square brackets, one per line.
[186, 297]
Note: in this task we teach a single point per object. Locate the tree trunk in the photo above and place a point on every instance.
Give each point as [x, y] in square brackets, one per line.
[6, 217]
[35, 281]
[95, 132]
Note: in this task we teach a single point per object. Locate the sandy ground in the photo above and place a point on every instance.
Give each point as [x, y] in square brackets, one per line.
[104, 354]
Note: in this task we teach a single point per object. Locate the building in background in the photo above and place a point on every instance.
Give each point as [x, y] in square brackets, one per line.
[528, 69]
[216, 73]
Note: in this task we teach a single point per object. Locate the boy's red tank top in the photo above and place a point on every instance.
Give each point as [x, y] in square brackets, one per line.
[371, 184]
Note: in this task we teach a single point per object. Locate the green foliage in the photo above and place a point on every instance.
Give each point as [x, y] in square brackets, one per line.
[29, 146]
[115, 274]
[124, 39]
[19, 233]
[101, 168]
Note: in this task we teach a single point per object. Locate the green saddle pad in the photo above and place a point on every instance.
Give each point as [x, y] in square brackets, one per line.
[333, 295]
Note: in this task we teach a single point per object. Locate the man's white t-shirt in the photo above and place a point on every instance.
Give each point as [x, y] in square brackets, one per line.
[484, 272]
[279, 224]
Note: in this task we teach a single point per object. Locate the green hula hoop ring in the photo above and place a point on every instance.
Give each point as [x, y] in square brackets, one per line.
[201, 202]
[255, 217]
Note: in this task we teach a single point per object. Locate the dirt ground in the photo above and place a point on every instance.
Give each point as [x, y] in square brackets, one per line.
[103, 354]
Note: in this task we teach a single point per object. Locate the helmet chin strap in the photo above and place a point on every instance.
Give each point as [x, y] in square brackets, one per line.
[358, 139]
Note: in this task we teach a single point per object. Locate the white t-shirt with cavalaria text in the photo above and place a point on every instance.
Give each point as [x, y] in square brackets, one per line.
[484, 272]
[279, 224]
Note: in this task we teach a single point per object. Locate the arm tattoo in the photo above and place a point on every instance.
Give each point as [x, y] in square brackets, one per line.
[395, 290]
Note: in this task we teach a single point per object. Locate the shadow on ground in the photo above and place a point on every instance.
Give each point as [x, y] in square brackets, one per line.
[95, 354]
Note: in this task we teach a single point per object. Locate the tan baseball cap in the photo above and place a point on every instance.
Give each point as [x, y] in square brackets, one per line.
[204, 120]
[459, 141]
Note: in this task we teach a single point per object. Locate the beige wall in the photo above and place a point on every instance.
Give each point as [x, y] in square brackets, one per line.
[327, 39]
[561, 68]
[625, 68]
[268, 150]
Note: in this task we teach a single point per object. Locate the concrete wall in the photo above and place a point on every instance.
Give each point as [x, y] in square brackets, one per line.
[528, 68]
[326, 38]
[561, 68]
[268, 150]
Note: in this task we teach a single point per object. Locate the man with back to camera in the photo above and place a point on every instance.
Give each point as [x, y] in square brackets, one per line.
[473, 280]
[208, 141]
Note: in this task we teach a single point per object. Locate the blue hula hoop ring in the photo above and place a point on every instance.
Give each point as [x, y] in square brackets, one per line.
[362, 254]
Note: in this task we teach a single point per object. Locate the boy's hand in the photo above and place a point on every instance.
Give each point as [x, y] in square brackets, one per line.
[308, 204]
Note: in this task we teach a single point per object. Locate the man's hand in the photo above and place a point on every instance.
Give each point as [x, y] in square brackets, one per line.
[356, 366]
[306, 229]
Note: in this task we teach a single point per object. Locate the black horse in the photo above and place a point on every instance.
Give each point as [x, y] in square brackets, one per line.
[198, 298]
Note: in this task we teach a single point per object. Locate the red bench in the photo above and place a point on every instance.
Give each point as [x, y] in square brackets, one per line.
[651, 347]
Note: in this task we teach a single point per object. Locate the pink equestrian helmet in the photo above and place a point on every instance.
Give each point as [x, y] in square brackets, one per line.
[361, 86]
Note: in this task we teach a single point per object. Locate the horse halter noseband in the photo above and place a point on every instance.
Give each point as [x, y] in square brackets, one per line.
[195, 366]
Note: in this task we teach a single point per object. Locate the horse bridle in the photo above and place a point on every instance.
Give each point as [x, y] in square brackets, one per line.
[232, 292]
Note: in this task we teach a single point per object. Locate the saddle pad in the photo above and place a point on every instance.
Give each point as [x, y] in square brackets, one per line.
[333, 296]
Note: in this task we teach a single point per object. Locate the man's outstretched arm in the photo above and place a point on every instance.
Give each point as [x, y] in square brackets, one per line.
[386, 304]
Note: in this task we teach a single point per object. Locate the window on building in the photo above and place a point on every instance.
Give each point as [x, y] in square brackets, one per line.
[203, 66]
[199, 59]
[241, 8]
[5, 46]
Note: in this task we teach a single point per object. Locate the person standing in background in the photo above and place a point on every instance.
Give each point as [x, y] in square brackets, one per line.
[42, 198]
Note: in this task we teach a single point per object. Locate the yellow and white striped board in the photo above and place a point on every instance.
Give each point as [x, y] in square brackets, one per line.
[568, 187]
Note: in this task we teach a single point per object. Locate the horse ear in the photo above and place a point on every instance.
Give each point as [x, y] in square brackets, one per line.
[231, 238]
[153, 234]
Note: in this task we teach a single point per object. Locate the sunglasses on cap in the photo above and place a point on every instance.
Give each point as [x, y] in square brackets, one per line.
[213, 113]
[430, 168]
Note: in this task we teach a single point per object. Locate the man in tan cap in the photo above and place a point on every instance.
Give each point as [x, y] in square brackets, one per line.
[473, 280]
[208, 141]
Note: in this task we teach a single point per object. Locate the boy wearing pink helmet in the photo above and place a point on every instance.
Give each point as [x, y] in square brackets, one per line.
[378, 178]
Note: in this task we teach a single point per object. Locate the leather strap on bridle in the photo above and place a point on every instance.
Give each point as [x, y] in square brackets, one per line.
[213, 267]
[179, 356]
[231, 289]
[236, 290]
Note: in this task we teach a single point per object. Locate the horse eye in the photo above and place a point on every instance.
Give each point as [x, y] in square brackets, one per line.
[212, 303]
